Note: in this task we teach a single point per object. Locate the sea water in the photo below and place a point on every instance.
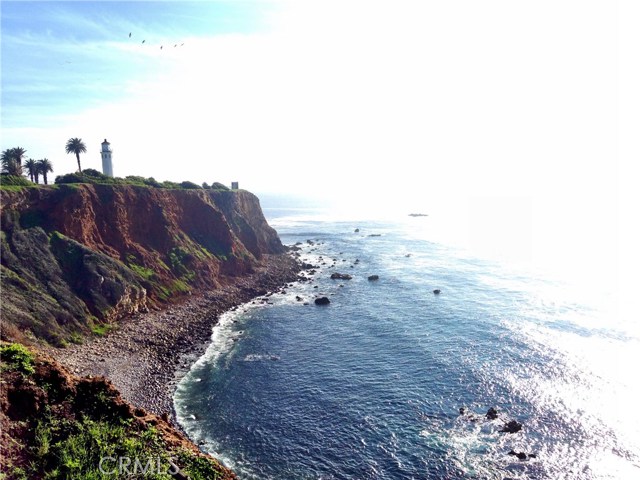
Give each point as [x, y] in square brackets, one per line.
[371, 385]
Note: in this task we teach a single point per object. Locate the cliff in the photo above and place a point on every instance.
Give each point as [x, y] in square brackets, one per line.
[77, 258]
[56, 425]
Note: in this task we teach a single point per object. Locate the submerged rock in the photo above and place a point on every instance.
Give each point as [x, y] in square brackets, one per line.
[373, 277]
[322, 301]
[436, 291]
[492, 414]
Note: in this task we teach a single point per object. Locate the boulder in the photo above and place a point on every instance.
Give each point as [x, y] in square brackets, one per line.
[492, 414]
[322, 301]
[520, 455]
[341, 276]
[511, 427]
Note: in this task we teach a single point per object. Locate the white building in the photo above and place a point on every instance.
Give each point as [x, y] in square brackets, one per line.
[107, 166]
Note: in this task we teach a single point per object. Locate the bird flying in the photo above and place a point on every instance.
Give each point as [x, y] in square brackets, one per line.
[129, 34]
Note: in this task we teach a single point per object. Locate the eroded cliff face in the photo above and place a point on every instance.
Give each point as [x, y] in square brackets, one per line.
[74, 257]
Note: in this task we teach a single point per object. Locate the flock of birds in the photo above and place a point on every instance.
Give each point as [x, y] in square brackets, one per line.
[161, 46]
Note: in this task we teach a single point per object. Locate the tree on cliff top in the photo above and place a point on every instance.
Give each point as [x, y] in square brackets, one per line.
[32, 170]
[12, 161]
[44, 167]
[77, 146]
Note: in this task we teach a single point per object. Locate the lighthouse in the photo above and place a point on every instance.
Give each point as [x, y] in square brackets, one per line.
[107, 166]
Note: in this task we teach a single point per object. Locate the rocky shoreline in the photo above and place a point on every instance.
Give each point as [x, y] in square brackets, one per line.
[148, 353]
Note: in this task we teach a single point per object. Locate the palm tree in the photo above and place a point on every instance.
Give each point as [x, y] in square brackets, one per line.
[12, 161]
[77, 146]
[45, 166]
[32, 169]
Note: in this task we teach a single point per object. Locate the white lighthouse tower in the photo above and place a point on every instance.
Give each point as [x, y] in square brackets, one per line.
[107, 166]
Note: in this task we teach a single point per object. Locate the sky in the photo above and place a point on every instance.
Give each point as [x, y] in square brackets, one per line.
[515, 113]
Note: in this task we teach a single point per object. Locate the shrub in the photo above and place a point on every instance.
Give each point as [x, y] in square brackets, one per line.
[189, 185]
[219, 186]
[70, 178]
[15, 180]
[93, 173]
[135, 180]
[152, 182]
[169, 184]
[18, 357]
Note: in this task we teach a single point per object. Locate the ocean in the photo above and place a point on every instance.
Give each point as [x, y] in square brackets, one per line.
[372, 385]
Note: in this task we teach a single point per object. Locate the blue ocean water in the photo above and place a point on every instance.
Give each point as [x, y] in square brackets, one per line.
[370, 386]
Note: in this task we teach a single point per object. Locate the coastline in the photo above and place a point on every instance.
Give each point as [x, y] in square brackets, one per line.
[148, 353]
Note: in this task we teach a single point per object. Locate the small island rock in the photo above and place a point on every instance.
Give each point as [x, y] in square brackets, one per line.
[492, 414]
[341, 276]
[511, 427]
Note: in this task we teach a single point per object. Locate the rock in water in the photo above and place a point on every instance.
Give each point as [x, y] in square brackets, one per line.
[372, 277]
[511, 427]
[437, 291]
[492, 414]
[341, 276]
[322, 301]
[520, 455]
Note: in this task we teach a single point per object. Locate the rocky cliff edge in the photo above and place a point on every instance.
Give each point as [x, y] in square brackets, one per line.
[77, 258]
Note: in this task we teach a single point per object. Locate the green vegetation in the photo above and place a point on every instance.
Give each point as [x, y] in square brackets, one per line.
[95, 177]
[75, 337]
[11, 161]
[219, 186]
[17, 357]
[15, 180]
[189, 185]
[61, 427]
[13, 168]
[32, 170]
[143, 272]
[102, 329]
[180, 286]
[44, 167]
[76, 146]
[74, 449]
